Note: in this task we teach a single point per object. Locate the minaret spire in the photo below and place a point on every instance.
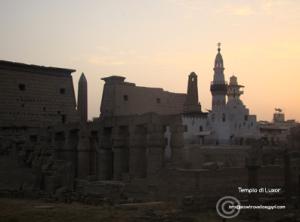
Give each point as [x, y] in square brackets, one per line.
[219, 46]
[218, 86]
[82, 105]
[219, 66]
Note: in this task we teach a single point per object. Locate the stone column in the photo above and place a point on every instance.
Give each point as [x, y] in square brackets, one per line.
[70, 148]
[104, 166]
[83, 149]
[287, 175]
[66, 147]
[253, 163]
[118, 153]
[59, 142]
[298, 192]
[94, 143]
[253, 182]
[253, 198]
[177, 143]
[155, 148]
[137, 152]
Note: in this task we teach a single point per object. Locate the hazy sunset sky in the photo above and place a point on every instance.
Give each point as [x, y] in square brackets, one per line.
[157, 43]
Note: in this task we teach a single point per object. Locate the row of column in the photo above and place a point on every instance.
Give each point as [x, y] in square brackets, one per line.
[112, 152]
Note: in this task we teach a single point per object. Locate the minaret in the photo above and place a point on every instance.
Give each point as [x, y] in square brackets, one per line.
[218, 87]
[82, 105]
[234, 89]
[192, 104]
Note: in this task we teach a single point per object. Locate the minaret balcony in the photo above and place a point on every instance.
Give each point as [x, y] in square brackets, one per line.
[218, 83]
[218, 87]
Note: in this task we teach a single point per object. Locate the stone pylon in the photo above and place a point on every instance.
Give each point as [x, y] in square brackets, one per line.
[82, 105]
[83, 151]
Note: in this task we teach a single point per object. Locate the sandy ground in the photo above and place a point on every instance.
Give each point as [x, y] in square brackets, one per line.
[20, 210]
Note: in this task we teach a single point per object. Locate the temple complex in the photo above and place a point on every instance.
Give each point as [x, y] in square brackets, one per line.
[147, 143]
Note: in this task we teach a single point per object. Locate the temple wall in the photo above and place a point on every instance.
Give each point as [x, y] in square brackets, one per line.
[122, 98]
[35, 97]
[224, 155]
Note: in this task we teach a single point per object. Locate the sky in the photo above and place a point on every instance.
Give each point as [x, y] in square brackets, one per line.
[157, 43]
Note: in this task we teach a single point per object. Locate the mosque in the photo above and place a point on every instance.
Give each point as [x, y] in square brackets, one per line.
[228, 122]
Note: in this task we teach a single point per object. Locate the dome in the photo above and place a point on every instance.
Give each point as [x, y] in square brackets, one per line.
[233, 80]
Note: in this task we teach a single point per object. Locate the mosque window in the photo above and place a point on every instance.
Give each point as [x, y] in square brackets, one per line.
[157, 100]
[63, 118]
[22, 87]
[33, 138]
[125, 97]
[224, 117]
[62, 91]
[200, 128]
[166, 142]
[246, 117]
[164, 128]
[185, 128]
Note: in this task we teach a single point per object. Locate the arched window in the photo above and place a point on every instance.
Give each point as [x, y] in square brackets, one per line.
[224, 117]
[185, 128]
